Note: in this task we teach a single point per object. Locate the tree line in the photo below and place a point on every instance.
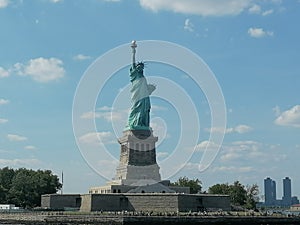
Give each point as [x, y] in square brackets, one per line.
[240, 195]
[24, 187]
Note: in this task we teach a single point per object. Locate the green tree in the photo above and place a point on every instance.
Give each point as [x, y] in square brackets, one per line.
[22, 191]
[221, 189]
[194, 184]
[6, 176]
[252, 196]
[24, 187]
[238, 193]
[45, 183]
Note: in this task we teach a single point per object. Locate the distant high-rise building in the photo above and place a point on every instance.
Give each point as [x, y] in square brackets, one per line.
[274, 190]
[287, 192]
[270, 191]
[295, 200]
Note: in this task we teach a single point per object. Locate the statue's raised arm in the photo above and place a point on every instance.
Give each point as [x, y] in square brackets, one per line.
[133, 46]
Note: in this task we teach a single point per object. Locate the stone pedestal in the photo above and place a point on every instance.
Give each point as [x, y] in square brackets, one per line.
[137, 171]
[137, 157]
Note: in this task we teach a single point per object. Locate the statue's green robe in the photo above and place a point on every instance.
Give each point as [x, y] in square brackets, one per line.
[139, 113]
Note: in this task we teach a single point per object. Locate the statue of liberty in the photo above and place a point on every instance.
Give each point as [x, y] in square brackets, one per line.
[139, 117]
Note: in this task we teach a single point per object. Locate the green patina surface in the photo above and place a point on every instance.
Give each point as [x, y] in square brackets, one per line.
[139, 117]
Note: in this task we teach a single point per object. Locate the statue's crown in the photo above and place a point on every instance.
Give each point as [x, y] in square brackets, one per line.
[140, 64]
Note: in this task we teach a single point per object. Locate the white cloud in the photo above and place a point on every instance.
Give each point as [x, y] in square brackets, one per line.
[276, 1]
[56, 1]
[259, 32]
[198, 7]
[289, 117]
[188, 25]
[105, 108]
[3, 120]
[216, 130]
[207, 145]
[241, 129]
[81, 57]
[41, 69]
[244, 146]
[4, 72]
[161, 155]
[159, 128]
[30, 147]
[191, 166]
[3, 101]
[4, 3]
[267, 12]
[15, 137]
[96, 138]
[106, 113]
[90, 115]
[158, 108]
[108, 116]
[249, 142]
[243, 169]
[251, 150]
[108, 167]
[20, 163]
[255, 9]
[230, 156]
[241, 149]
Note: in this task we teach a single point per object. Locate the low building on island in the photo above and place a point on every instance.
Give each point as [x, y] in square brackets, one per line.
[295, 207]
[8, 207]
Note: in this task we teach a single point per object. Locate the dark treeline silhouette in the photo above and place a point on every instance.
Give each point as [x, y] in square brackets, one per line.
[24, 187]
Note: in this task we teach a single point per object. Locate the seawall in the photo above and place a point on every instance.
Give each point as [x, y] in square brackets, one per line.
[56, 218]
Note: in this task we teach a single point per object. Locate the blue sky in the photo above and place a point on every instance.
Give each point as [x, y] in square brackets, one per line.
[252, 47]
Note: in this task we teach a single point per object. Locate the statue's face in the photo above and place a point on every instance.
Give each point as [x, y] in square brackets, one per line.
[140, 67]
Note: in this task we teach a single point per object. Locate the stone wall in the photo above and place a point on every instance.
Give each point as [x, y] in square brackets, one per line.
[110, 202]
[190, 203]
[129, 202]
[158, 202]
[105, 202]
[154, 202]
[147, 202]
[86, 203]
[216, 202]
[59, 202]
[58, 218]
[203, 202]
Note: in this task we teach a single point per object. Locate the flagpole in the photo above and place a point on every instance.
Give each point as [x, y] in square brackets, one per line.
[62, 182]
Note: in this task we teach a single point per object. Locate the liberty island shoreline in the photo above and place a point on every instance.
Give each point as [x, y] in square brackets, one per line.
[145, 218]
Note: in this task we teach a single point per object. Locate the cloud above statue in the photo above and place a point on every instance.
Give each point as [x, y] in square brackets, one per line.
[198, 7]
